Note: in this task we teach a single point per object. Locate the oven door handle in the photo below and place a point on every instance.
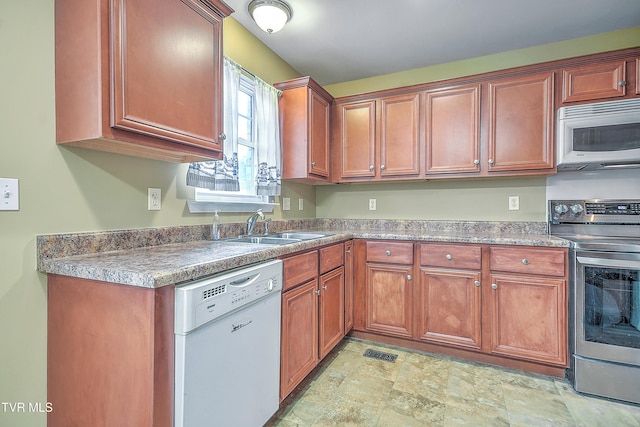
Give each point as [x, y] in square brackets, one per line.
[604, 262]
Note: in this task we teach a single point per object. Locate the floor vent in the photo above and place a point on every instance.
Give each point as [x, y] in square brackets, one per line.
[375, 354]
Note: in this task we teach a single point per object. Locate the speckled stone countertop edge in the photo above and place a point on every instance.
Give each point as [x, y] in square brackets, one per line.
[192, 255]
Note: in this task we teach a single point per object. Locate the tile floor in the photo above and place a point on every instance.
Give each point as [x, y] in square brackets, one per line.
[421, 389]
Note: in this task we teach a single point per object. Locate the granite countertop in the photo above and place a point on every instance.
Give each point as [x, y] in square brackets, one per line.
[154, 258]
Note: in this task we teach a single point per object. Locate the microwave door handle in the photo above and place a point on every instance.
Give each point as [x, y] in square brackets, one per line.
[604, 262]
[620, 165]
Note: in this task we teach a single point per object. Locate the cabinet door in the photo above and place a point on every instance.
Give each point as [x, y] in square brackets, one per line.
[348, 286]
[398, 120]
[594, 81]
[452, 127]
[388, 299]
[299, 339]
[318, 135]
[357, 139]
[520, 128]
[167, 71]
[448, 307]
[529, 318]
[331, 328]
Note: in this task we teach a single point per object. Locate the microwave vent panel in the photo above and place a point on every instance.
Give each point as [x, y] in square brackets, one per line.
[598, 108]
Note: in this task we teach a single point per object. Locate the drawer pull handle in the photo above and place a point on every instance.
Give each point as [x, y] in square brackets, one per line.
[388, 253]
[449, 257]
[409, 277]
[494, 286]
[477, 283]
[525, 261]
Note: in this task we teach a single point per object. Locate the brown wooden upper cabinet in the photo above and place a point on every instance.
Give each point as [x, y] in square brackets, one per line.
[452, 130]
[142, 78]
[595, 81]
[520, 124]
[378, 138]
[305, 125]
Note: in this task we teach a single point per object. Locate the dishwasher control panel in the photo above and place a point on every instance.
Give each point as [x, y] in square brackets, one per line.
[202, 301]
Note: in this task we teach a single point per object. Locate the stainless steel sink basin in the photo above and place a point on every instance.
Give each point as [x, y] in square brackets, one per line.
[300, 235]
[263, 240]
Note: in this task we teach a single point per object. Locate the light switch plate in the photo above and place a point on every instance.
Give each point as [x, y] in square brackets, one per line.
[9, 194]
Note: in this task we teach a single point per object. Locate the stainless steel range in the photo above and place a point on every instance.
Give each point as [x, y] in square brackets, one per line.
[605, 293]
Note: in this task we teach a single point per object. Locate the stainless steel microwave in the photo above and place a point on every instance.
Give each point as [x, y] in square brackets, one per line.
[603, 135]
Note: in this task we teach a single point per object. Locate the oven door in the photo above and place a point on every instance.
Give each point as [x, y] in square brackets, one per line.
[607, 304]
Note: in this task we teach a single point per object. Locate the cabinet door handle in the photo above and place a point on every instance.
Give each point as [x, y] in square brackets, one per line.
[313, 163]
[222, 137]
[388, 253]
[494, 286]
[477, 283]
[325, 287]
[317, 291]
[348, 250]
[491, 161]
[382, 167]
[476, 162]
[409, 277]
[449, 257]
[371, 168]
[622, 83]
[525, 261]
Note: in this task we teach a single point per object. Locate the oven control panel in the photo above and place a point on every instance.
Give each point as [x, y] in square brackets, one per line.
[594, 211]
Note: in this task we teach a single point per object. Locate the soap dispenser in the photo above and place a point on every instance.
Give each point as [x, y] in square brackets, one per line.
[216, 226]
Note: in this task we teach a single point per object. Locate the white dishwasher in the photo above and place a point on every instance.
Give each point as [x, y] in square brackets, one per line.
[227, 348]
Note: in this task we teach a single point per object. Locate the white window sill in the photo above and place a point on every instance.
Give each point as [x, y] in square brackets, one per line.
[211, 207]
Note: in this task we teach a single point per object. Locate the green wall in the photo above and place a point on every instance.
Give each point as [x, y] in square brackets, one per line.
[76, 190]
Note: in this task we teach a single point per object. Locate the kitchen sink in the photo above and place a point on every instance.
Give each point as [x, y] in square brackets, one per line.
[263, 240]
[300, 235]
[285, 238]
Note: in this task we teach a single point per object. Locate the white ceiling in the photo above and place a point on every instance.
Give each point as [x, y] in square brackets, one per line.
[341, 40]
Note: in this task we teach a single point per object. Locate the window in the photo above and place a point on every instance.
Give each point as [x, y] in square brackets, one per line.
[250, 170]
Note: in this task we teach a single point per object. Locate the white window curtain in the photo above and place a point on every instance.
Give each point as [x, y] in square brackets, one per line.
[222, 175]
[267, 134]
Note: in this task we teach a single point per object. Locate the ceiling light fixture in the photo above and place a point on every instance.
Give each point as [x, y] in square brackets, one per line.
[270, 15]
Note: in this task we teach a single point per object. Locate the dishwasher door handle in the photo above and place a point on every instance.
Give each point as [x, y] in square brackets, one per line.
[245, 281]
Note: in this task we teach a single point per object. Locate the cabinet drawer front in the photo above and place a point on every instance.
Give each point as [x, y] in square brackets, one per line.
[451, 256]
[331, 257]
[299, 269]
[390, 252]
[528, 260]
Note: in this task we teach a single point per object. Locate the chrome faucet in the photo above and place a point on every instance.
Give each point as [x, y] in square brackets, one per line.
[251, 222]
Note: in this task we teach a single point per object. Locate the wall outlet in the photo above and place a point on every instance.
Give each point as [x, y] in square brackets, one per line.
[300, 204]
[514, 203]
[154, 199]
[372, 204]
[9, 194]
[286, 204]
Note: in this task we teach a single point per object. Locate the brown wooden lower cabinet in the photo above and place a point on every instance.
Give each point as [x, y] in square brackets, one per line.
[312, 312]
[299, 339]
[448, 307]
[528, 318]
[110, 354]
[498, 304]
